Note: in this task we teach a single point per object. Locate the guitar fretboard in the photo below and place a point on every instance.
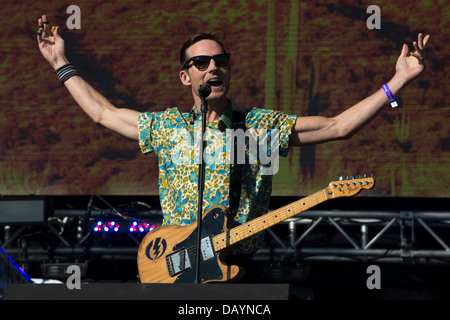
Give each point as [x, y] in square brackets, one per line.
[239, 233]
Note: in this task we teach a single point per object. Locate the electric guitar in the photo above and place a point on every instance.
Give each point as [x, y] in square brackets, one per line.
[168, 254]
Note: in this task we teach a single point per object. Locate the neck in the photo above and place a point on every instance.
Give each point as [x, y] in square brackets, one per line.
[215, 109]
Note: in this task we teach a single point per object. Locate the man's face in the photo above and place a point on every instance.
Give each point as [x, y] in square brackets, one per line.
[217, 77]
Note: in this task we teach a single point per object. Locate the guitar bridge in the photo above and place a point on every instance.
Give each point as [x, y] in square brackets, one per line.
[178, 262]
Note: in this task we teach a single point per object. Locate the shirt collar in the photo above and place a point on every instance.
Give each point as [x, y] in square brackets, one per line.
[225, 120]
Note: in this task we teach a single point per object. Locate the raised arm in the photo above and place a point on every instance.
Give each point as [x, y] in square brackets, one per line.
[314, 130]
[96, 106]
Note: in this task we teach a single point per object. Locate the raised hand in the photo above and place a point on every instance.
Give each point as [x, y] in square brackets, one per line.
[50, 43]
[410, 64]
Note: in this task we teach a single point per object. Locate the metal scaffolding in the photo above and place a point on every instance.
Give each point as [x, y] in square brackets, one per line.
[361, 236]
[402, 237]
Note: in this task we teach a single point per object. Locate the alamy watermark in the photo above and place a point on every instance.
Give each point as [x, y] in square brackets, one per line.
[374, 21]
[74, 21]
[374, 280]
[254, 147]
[74, 280]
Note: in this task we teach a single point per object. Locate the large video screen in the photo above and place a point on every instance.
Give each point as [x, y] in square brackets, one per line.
[300, 57]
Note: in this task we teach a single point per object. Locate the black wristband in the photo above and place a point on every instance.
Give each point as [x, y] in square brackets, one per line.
[66, 72]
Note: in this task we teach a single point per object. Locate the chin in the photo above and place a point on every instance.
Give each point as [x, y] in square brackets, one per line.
[217, 95]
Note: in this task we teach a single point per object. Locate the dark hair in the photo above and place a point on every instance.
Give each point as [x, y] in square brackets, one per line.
[195, 39]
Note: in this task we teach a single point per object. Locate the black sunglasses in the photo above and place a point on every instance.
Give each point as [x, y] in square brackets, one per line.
[222, 60]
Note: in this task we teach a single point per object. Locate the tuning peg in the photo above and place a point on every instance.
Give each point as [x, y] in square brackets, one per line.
[340, 178]
[352, 177]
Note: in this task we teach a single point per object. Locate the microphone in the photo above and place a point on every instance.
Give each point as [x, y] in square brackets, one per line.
[204, 90]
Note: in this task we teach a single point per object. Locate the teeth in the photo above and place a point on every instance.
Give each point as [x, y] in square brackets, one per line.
[215, 82]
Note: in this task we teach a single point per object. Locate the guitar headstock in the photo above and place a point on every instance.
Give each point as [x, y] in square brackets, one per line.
[349, 186]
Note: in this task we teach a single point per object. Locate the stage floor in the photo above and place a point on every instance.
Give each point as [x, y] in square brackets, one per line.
[136, 291]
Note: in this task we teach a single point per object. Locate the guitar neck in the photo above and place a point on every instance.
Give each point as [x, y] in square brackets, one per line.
[236, 234]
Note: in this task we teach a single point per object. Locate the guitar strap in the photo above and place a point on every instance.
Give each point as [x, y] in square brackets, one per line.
[238, 122]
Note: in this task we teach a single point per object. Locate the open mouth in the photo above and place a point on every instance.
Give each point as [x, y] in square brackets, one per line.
[216, 82]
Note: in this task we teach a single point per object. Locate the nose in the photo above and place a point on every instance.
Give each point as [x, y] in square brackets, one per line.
[212, 65]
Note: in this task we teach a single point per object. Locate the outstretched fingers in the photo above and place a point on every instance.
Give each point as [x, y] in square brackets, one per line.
[43, 28]
[46, 26]
[422, 41]
[419, 46]
[40, 30]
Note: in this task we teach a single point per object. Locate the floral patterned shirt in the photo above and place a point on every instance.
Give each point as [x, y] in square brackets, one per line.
[175, 137]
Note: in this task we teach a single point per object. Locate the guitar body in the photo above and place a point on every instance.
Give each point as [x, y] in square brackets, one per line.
[168, 254]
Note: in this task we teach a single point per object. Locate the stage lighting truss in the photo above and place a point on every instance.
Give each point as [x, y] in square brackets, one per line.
[362, 236]
[337, 236]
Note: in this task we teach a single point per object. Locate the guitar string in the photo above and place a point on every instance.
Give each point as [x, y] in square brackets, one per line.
[266, 221]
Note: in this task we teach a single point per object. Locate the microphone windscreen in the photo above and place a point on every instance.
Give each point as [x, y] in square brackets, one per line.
[204, 90]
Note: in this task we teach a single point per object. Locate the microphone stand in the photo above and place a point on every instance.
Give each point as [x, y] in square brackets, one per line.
[204, 91]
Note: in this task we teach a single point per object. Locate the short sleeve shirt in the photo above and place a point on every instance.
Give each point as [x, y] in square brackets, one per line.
[175, 137]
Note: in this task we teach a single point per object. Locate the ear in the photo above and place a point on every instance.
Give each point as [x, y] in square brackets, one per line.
[185, 78]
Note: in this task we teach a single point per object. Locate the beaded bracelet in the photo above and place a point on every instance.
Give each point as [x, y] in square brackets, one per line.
[66, 72]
